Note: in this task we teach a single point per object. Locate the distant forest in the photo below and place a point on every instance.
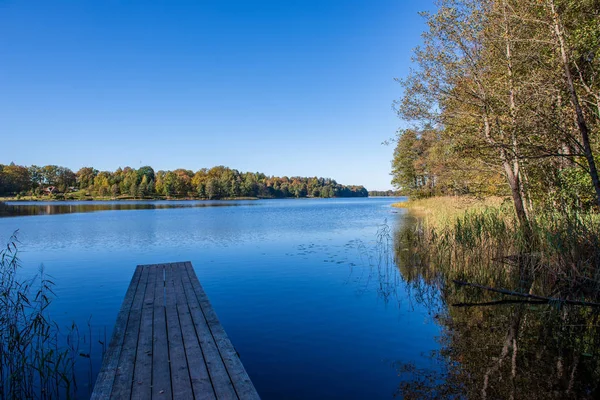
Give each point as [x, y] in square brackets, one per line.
[215, 183]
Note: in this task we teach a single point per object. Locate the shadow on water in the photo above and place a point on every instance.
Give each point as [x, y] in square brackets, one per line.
[18, 209]
[492, 346]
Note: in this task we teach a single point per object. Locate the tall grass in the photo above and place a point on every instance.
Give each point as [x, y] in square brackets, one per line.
[32, 363]
[482, 242]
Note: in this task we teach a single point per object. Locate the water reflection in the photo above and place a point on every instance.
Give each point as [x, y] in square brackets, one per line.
[491, 346]
[375, 268]
[275, 274]
[16, 209]
[382, 267]
[508, 352]
[273, 270]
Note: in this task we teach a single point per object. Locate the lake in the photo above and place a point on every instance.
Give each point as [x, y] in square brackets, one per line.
[305, 289]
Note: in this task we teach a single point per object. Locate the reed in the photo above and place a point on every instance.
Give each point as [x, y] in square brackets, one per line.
[480, 241]
[33, 365]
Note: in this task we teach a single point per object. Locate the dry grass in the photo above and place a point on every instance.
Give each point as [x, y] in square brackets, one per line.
[439, 212]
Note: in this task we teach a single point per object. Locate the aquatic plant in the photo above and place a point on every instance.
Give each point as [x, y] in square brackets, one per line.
[32, 363]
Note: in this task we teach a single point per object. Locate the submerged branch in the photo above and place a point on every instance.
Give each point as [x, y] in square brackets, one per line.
[527, 295]
[499, 302]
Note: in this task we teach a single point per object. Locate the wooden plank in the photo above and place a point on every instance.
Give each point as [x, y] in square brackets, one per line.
[239, 377]
[142, 376]
[124, 378]
[216, 369]
[180, 376]
[201, 384]
[161, 370]
[169, 344]
[106, 377]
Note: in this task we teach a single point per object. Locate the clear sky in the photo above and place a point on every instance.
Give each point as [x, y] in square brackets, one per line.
[283, 87]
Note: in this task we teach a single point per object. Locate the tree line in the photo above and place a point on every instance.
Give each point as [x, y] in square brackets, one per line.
[504, 98]
[214, 183]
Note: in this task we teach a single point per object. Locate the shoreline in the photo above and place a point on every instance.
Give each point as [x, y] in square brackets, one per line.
[126, 199]
[87, 199]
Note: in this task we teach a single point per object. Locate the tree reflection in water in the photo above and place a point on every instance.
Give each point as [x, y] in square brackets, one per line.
[492, 346]
[16, 209]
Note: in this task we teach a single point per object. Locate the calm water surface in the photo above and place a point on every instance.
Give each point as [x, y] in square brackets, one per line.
[296, 283]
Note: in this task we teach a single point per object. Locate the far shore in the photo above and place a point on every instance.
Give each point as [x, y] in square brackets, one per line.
[67, 198]
[128, 198]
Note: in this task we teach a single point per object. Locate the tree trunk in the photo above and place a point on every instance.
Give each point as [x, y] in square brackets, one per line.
[515, 174]
[581, 123]
[512, 177]
[515, 191]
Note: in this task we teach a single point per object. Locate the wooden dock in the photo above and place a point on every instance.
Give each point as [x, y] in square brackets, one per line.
[168, 343]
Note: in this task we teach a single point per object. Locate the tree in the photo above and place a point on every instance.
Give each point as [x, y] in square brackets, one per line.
[487, 80]
[130, 178]
[3, 180]
[145, 171]
[15, 178]
[65, 179]
[403, 165]
[183, 182]
[134, 190]
[199, 182]
[49, 175]
[587, 76]
[213, 191]
[249, 185]
[36, 176]
[85, 177]
[102, 183]
[169, 183]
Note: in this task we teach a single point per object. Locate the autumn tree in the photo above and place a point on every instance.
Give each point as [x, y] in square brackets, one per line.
[216, 183]
[14, 178]
[85, 177]
[65, 179]
[499, 81]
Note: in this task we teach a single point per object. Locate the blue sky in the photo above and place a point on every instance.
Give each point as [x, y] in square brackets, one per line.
[282, 87]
